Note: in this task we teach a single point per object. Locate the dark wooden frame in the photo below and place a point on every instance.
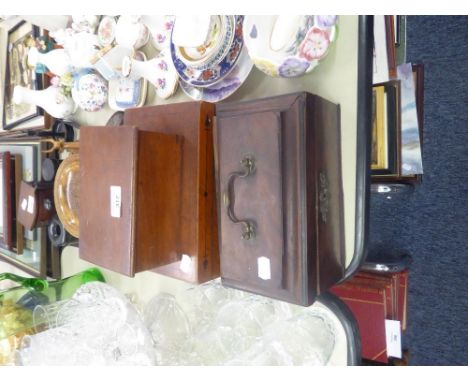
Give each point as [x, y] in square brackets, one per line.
[37, 84]
[6, 237]
[45, 251]
[391, 52]
[396, 27]
[418, 76]
[18, 228]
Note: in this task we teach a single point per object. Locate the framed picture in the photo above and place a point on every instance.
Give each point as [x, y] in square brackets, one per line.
[396, 27]
[386, 126]
[20, 39]
[418, 80]
[6, 201]
[33, 256]
[390, 33]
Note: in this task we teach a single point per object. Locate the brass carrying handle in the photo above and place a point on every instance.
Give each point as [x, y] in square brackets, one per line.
[248, 231]
[60, 145]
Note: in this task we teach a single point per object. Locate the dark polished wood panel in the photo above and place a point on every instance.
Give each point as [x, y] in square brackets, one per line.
[198, 232]
[146, 166]
[294, 197]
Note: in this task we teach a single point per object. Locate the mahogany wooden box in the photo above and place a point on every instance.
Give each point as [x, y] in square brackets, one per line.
[197, 235]
[36, 204]
[280, 197]
[129, 197]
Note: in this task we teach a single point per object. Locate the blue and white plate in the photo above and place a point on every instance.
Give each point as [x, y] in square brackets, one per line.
[211, 74]
[224, 88]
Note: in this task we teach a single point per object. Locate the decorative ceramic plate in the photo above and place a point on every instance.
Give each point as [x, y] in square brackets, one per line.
[160, 28]
[214, 48]
[89, 91]
[125, 92]
[212, 74]
[226, 86]
[106, 30]
[289, 46]
[67, 193]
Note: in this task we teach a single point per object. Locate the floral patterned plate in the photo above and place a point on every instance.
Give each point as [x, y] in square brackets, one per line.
[208, 76]
[224, 88]
[297, 49]
[126, 92]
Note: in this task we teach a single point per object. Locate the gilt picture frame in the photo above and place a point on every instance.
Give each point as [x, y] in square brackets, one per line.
[386, 129]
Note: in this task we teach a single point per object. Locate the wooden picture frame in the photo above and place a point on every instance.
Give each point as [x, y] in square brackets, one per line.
[418, 77]
[385, 157]
[35, 253]
[378, 151]
[397, 26]
[18, 229]
[6, 200]
[391, 52]
[20, 39]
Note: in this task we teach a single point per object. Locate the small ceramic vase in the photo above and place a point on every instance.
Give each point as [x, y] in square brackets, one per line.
[57, 60]
[160, 28]
[52, 100]
[159, 71]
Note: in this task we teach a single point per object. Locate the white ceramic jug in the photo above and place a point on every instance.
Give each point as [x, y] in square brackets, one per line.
[159, 71]
[57, 60]
[52, 100]
[130, 32]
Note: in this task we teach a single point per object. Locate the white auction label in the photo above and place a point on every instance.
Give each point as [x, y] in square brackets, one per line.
[30, 204]
[115, 201]
[393, 338]
[24, 204]
[264, 268]
[185, 263]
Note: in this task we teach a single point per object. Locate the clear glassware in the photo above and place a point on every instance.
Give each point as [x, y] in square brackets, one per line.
[169, 327]
[45, 316]
[97, 326]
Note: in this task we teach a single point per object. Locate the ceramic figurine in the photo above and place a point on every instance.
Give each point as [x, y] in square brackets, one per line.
[159, 71]
[52, 100]
[57, 60]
